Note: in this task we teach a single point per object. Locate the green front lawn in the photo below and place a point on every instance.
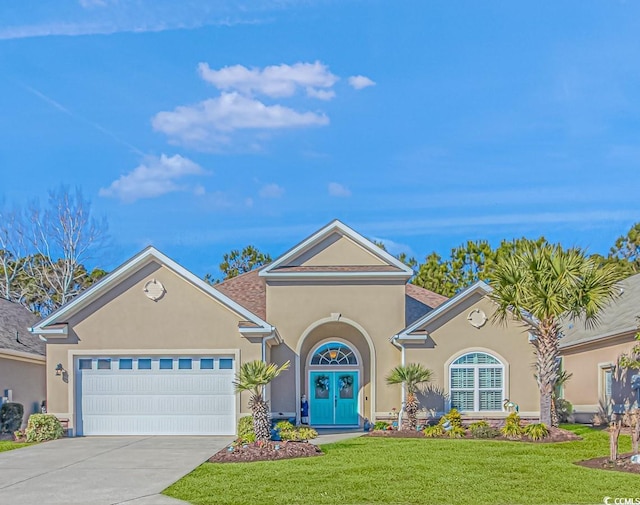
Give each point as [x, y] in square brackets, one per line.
[7, 445]
[421, 471]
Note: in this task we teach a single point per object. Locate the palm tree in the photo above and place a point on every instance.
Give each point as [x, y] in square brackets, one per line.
[541, 286]
[413, 376]
[253, 377]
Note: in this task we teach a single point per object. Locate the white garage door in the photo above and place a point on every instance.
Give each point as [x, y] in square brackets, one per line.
[179, 395]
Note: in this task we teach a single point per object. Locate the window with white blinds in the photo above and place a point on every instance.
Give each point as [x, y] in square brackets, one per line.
[476, 383]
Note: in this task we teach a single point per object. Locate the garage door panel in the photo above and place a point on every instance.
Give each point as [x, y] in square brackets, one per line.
[156, 401]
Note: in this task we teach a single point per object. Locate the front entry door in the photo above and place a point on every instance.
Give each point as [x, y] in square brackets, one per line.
[334, 398]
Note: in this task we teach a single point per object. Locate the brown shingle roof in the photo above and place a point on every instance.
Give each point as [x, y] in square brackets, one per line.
[15, 322]
[425, 296]
[248, 290]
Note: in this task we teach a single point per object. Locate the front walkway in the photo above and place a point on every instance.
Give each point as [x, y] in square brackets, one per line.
[331, 435]
[101, 470]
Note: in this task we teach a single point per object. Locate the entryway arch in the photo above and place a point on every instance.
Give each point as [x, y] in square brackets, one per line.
[354, 376]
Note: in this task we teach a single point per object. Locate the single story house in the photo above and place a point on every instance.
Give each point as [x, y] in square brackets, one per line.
[153, 349]
[22, 361]
[591, 354]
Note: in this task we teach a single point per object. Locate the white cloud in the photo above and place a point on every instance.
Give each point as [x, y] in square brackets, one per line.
[272, 190]
[338, 190]
[275, 81]
[210, 122]
[395, 248]
[360, 82]
[154, 177]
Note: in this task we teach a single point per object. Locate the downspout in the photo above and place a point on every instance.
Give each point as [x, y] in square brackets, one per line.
[395, 341]
[272, 336]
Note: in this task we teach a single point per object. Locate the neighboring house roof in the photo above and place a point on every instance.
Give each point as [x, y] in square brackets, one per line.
[249, 290]
[617, 319]
[51, 324]
[15, 321]
[285, 266]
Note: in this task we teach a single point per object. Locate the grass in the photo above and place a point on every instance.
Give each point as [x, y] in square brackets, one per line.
[419, 471]
[7, 445]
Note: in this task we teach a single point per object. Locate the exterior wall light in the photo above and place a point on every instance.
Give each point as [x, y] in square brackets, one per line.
[59, 369]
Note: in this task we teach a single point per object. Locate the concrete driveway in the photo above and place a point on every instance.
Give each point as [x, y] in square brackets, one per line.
[101, 470]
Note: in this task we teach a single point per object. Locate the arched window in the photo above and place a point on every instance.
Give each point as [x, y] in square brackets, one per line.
[476, 383]
[334, 353]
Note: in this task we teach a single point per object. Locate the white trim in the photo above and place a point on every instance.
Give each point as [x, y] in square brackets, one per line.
[23, 356]
[328, 276]
[478, 287]
[405, 271]
[631, 331]
[143, 257]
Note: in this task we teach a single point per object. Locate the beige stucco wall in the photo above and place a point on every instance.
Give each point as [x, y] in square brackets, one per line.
[27, 380]
[363, 314]
[337, 250]
[452, 335]
[585, 389]
[125, 321]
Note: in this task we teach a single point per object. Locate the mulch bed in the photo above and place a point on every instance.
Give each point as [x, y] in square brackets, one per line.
[555, 435]
[623, 464]
[266, 451]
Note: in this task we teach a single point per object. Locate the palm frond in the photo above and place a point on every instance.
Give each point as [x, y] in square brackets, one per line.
[413, 375]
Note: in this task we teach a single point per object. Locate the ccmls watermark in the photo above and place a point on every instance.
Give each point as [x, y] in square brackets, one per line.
[608, 500]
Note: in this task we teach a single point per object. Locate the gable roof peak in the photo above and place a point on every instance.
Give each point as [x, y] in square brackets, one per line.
[394, 267]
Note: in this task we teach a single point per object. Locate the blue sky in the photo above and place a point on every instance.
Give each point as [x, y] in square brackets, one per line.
[204, 126]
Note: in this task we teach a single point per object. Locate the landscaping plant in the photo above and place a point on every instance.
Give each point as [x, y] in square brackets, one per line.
[381, 425]
[512, 427]
[433, 431]
[43, 427]
[11, 415]
[482, 429]
[253, 377]
[541, 285]
[246, 434]
[414, 377]
[536, 431]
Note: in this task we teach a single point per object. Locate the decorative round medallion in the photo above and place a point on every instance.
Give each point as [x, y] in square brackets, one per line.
[154, 290]
[477, 318]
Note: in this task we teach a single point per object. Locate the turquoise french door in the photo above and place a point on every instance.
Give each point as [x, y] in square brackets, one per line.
[333, 398]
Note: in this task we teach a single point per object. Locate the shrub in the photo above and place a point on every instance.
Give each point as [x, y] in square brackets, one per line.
[433, 431]
[456, 431]
[564, 409]
[381, 425]
[306, 433]
[453, 416]
[536, 431]
[484, 431]
[512, 427]
[479, 424]
[284, 426]
[11, 415]
[43, 427]
[245, 428]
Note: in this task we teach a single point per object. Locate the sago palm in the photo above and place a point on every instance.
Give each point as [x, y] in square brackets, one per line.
[253, 377]
[541, 286]
[414, 377]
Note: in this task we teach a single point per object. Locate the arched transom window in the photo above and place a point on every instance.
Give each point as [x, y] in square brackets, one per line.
[476, 383]
[334, 353]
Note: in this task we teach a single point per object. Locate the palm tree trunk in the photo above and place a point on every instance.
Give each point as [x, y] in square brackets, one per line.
[261, 419]
[547, 354]
[411, 409]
